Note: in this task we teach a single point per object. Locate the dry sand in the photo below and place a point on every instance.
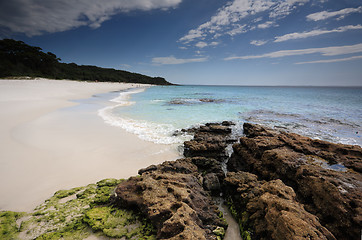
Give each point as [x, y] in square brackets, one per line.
[45, 147]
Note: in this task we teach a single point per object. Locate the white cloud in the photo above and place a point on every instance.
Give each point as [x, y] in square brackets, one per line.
[214, 43]
[284, 8]
[171, 60]
[237, 30]
[34, 17]
[258, 42]
[201, 44]
[193, 34]
[327, 51]
[259, 19]
[333, 60]
[239, 16]
[340, 14]
[267, 24]
[298, 35]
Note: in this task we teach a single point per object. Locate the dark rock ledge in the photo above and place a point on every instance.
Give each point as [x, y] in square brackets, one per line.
[325, 177]
[172, 197]
[175, 195]
[279, 186]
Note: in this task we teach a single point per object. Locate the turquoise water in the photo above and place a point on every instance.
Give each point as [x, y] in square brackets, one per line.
[155, 113]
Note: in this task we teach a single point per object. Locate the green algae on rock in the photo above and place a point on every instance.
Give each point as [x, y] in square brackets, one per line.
[242, 218]
[9, 228]
[220, 232]
[76, 214]
[117, 223]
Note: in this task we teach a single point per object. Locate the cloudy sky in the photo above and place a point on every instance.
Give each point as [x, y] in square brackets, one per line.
[237, 42]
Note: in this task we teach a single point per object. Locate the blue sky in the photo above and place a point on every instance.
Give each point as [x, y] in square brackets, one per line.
[237, 42]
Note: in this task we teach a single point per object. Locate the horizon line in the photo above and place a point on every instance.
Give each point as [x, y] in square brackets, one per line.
[232, 85]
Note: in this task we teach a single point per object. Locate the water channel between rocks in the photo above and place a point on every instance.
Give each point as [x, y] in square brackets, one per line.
[233, 231]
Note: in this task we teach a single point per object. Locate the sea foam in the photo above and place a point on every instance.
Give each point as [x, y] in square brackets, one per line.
[145, 130]
[123, 97]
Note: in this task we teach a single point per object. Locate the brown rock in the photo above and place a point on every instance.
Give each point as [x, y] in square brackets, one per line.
[205, 149]
[212, 183]
[173, 198]
[212, 173]
[273, 209]
[219, 129]
[253, 130]
[147, 169]
[325, 176]
[208, 165]
[209, 141]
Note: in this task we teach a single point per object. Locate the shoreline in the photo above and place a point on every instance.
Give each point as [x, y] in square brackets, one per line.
[49, 141]
[190, 184]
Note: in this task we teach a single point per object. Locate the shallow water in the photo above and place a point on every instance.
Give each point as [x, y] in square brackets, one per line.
[154, 114]
[233, 230]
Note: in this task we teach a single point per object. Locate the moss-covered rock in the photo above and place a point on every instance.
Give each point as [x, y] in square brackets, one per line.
[66, 234]
[8, 226]
[109, 182]
[116, 223]
[88, 192]
[65, 193]
[75, 214]
[220, 231]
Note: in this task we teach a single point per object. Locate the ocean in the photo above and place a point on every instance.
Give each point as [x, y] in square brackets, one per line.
[156, 113]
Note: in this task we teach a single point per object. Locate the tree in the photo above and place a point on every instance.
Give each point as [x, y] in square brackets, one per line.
[20, 59]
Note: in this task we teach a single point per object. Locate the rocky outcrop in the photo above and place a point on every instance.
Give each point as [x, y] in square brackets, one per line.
[209, 141]
[183, 101]
[326, 177]
[176, 196]
[172, 196]
[270, 209]
[279, 186]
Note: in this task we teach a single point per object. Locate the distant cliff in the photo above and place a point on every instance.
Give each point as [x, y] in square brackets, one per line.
[19, 59]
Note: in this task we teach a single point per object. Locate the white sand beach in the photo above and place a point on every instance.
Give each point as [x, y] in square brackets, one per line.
[44, 148]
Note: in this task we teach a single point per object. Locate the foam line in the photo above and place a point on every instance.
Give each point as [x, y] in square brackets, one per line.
[148, 131]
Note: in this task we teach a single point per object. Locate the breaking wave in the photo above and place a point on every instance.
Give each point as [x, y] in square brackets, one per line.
[145, 130]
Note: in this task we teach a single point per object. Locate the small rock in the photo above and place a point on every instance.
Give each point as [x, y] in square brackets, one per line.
[212, 183]
[147, 169]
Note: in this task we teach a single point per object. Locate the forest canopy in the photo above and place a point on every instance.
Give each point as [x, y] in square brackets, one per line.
[17, 59]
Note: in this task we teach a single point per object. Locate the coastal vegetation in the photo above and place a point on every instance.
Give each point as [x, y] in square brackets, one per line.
[17, 59]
